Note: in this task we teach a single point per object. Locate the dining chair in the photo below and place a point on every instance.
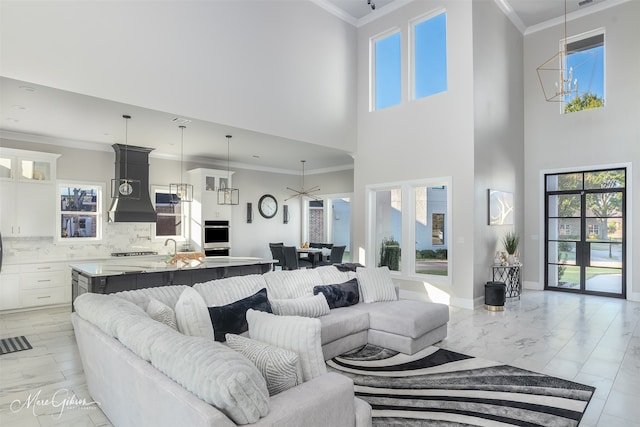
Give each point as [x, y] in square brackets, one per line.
[337, 252]
[276, 253]
[291, 260]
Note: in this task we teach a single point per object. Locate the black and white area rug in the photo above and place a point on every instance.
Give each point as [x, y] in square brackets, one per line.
[11, 345]
[437, 387]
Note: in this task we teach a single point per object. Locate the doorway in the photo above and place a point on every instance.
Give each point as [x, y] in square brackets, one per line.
[585, 232]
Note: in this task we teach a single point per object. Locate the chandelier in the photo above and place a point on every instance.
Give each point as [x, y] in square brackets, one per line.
[304, 192]
[556, 80]
[183, 191]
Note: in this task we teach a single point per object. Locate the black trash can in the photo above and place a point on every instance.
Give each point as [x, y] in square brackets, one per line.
[494, 296]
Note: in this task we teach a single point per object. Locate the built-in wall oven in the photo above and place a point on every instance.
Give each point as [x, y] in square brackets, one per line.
[216, 238]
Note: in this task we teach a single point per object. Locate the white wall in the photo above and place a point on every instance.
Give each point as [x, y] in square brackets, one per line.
[587, 139]
[499, 129]
[428, 138]
[285, 68]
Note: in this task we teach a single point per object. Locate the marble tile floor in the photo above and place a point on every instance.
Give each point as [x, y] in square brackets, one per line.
[592, 340]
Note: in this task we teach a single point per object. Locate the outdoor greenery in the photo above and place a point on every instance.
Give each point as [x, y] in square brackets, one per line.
[390, 254]
[586, 101]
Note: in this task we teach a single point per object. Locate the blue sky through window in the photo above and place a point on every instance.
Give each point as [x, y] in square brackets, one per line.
[588, 68]
[387, 71]
[430, 56]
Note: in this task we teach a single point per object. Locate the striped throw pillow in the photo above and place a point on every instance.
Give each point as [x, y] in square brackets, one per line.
[314, 306]
[376, 284]
[279, 367]
[162, 313]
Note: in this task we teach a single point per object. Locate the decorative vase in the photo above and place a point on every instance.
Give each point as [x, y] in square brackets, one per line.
[497, 259]
[511, 259]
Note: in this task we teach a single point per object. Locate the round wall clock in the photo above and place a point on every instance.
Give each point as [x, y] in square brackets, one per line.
[268, 206]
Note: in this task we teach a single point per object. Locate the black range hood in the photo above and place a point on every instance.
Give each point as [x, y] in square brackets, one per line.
[133, 163]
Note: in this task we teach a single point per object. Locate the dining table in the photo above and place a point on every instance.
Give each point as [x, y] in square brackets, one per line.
[314, 254]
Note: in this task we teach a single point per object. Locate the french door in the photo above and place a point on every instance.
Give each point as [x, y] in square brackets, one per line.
[585, 233]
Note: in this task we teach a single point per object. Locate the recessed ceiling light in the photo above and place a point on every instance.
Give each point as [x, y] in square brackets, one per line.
[13, 119]
[19, 107]
[27, 88]
[255, 156]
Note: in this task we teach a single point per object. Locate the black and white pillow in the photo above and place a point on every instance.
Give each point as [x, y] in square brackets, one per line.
[280, 368]
[341, 294]
[232, 318]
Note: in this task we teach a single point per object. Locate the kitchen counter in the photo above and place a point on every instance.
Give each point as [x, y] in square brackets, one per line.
[157, 263]
[129, 273]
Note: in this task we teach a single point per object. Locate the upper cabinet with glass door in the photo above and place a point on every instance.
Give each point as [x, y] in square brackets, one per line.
[28, 194]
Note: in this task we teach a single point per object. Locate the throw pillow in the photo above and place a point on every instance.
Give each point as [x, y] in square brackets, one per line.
[298, 334]
[162, 313]
[376, 284]
[314, 306]
[340, 295]
[191, 315]
[279, 367]
[232, 318]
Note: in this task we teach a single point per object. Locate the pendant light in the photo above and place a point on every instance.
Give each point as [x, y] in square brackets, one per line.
[557, 82]
[304, 192]
[228, 195]
[183, 191]
[123, 187]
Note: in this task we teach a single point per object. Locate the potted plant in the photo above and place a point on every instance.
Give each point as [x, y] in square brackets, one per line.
[510, 242]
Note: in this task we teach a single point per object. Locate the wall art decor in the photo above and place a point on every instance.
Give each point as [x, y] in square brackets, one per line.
[500, 207]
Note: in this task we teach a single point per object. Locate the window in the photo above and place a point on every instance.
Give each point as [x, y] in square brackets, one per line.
[410, 218]
[585, 59]
[170, 214]
[429, 55]
[386, 69]
[80, 211]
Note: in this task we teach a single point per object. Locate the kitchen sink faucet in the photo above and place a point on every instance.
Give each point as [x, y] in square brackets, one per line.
[175, 246]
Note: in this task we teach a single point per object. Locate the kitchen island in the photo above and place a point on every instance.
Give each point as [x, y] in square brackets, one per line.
[120, 274]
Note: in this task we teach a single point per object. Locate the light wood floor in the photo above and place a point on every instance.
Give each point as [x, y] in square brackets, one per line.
[591, 340]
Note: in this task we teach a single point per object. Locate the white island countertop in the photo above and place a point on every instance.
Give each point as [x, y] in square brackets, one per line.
[157, 263]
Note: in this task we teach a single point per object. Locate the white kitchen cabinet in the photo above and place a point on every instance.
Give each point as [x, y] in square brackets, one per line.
[33, 285]
[28, 193]
[9, 287]
[205, 207]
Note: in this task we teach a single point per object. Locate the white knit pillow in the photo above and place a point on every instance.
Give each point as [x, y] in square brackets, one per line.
[225, 291]
[298, 334]
[292, 283]
[376, 284]
[162, 313]
[279, 367]
[192, 315]
[314, 306]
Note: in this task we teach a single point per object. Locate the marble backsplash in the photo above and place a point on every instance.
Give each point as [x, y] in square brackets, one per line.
[117, 237]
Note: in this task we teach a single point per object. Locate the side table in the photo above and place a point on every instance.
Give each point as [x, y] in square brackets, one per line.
[511, 275]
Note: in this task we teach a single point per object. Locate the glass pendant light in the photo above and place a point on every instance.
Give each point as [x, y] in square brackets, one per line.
[123, 187]
[228, 195]
[182, 190]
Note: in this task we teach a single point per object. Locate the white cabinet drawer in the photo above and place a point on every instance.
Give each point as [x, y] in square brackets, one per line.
[42, 280]
[42, 267]
[36, 297]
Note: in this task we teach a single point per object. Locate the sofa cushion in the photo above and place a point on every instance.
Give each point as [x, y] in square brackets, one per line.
[232, 318]
[192, 315]
[331, 275]
[162, 313]
[292, 283]
[225, 291]
[298, 334]
[215, 373]
[376, 284]
[279, 367]
[342, 322]
[406, 317]
[168, 295]
[314, 306]
[341, 294]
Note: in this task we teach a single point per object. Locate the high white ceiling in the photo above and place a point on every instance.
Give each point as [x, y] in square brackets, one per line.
[54, 116]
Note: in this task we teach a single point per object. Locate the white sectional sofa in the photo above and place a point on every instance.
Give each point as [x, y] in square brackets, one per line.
[153, 367]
